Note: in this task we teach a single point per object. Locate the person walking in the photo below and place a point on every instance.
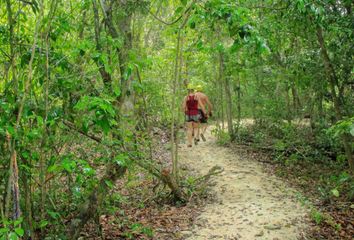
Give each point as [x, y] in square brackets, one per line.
[192, 107]
[204, 100]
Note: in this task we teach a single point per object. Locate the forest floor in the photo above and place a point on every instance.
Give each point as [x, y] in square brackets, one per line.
[249, 202]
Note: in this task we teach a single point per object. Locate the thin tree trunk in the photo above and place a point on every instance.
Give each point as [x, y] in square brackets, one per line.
[296, 99]
[321, 112]
[227, 89]
[9, 182]
[288, 107]
[238, 90]
[221, 93]
[2, 214]
[173, 111]
[173, 107]
[333, 82]
[101, 68]
[42, 164]
[91, 206]
[29, 233]
[216, 98]
[178, 93]
[13, 171]
[10, 21]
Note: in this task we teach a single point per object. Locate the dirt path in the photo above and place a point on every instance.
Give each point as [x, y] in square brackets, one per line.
[250, 204]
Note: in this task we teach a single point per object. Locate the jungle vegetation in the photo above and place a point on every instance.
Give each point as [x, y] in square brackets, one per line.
[84, 85]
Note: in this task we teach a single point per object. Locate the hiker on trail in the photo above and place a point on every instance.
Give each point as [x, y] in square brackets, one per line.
[191, 105]
[203, 117]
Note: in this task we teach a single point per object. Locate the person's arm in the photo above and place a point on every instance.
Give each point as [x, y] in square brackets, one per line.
[202, 107]
[184, 104]
[210, 106]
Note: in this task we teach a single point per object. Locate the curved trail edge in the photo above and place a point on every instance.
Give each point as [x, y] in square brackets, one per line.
[249, 204]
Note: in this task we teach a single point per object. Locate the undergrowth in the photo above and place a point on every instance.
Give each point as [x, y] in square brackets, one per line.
[313, 160]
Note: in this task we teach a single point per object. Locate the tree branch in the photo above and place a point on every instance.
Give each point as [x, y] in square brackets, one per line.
[73, 127]
[174, 21]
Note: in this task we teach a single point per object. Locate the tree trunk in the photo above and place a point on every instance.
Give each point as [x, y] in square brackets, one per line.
[90, 208]
[338, 107]
[296, 99]
[29, 233]
[13, 186]
[10, 21]
[106, 77]
[174, 97]
[238, 93]
[226, 80]
[288, 107]
[126, 34]
[174, 153]
[221, 93]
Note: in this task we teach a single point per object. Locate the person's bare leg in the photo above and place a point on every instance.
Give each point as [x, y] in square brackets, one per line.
[189, 133]
[203, 130]
[205, 125]
[196, 131]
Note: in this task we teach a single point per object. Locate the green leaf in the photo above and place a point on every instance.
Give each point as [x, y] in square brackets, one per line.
[18, 221]
[88, 171]
[40, 120]
[136, 226]
[128, 72]
[335, 192]
[34, 6]
[301, 5]
[53, 168]
[184, 2]
[13, 236]
[109, 183]
[122, 160]
[4, 230]
[317, 216]
[200, 45]
[108, 68]
[236, 46]
[280, 145]
[104, 124]
[68, 164]
[2, 131]
[11, 130]
[54, 215]
[192, 24]
[43, 223]
[352, 130]
[220, 47]
[179, 10]
[85, 126]
[19, 231]
[116, 90]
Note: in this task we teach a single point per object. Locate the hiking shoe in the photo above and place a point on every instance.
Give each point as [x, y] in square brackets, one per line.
[195, 141]
[189, 145]
[204, 139]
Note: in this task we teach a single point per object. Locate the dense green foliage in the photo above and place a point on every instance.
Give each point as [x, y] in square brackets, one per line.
[109, 71]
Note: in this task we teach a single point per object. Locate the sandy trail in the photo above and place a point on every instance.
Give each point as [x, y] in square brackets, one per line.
[250, 204]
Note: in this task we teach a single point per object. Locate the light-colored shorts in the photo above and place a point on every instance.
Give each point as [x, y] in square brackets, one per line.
[192, 118]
